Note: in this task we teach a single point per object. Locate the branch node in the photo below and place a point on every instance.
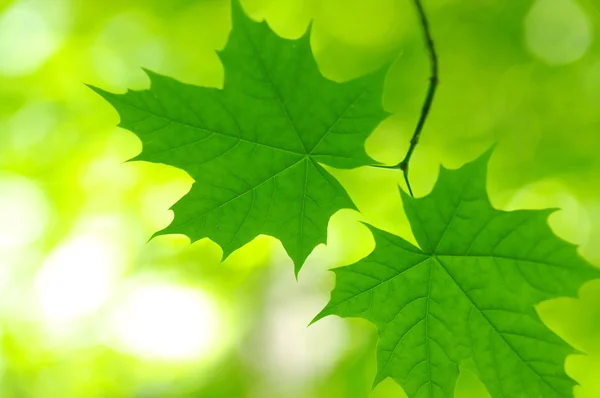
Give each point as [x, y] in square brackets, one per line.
[433, 83]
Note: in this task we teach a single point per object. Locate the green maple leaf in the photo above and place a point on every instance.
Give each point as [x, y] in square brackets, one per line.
[255, 147]
[466, 295]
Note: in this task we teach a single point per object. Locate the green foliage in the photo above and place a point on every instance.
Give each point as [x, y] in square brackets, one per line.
[254, 148]
[466, 295]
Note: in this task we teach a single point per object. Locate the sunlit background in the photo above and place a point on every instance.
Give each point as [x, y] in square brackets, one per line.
[90, 308]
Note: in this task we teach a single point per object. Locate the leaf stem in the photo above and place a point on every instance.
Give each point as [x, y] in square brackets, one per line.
[433, 83]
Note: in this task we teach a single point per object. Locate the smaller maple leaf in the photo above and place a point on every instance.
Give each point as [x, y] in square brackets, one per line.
[255, 147]
[466, 295]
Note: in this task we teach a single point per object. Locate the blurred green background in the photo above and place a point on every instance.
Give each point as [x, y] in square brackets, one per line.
[90, 308]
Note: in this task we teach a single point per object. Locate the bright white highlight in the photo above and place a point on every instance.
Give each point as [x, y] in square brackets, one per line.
[558, 31]
[296, 353]
[77, 277]
[24, 212]
[166, 322]
[292, 353]
[27, 37]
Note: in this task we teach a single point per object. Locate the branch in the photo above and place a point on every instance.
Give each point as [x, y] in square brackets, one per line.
[433, 83]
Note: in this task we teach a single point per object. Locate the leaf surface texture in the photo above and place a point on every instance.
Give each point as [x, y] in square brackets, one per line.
[466, 295]
[256, 147]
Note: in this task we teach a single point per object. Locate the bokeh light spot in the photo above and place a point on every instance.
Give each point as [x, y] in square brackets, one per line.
[27, 36]
[571, 222]
[31, 124]
[24, 212]
[296, 353]
[557, 31]
[126, 42]
[159, 321]
[78, 276]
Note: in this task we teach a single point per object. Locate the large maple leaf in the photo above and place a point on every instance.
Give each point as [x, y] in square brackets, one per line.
[466, 295]
[255, 147]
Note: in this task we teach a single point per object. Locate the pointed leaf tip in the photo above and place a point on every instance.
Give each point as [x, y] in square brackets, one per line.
[319, 316]
[238, 191]
[101, 92]
[238, 13]
[151, 74]
[473, 286]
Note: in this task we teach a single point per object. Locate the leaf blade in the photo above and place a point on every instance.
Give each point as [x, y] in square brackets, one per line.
[487, 270]
[255, 148]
